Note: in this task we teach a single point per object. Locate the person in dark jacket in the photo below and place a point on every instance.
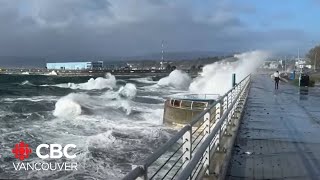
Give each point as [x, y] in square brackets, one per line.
[276, 79]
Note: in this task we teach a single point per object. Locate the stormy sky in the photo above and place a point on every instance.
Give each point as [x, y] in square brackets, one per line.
[79, 28]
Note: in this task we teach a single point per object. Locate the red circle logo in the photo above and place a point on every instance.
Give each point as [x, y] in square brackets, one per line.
[21, 151]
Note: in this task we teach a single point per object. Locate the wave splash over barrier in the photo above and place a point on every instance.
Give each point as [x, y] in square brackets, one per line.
[177, 79]
[216, 78]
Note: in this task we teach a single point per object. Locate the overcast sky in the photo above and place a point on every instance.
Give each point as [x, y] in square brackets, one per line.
[78, 28]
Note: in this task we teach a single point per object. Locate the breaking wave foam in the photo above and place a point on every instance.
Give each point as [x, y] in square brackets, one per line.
[99, 83]
[128, 91]
[177, 79]
[107, 82]
[68, 106]
[216, 78]
[72, 105]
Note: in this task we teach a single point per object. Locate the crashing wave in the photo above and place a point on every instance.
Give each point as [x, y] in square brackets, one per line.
[68, 106]
[99, 83]
[107, 82]
[128, 91]
[216, 78]
[73, 104]
[176, 79]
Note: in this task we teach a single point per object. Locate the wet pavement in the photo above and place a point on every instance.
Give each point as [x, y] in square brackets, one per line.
[279, 136]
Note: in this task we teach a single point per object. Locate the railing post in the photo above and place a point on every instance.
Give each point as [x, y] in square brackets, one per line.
[227, 105]
[233, 79]
[187, 146]
[234, 112]
[232, 96]
[229, 117]
[207, 118]
[220, 109]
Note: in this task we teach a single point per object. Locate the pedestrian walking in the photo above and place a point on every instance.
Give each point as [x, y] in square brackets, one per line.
[276, 79]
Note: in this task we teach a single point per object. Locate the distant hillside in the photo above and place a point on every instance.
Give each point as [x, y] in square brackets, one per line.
[18, 62]
[179, 55]
[40, 62]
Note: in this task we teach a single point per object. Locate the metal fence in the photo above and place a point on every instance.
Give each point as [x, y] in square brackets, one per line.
[187, 155]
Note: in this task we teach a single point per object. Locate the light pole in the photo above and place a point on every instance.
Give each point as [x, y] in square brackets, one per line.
[315, 62]
[299, 62]
[285, 63]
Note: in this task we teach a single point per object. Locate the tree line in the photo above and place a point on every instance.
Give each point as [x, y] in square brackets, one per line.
[314, 56]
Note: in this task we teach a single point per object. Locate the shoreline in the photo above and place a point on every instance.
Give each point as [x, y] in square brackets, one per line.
[93, 73]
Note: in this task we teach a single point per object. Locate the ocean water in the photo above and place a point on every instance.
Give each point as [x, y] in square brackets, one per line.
[115, 122]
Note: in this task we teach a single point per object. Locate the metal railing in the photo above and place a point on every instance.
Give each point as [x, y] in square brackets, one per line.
[187, 155]
[196, 96]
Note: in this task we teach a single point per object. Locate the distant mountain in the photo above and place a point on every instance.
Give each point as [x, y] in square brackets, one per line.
[21, 62]
[178, 55]
[40, 62]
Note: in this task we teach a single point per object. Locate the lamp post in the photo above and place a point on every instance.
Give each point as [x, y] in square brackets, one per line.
[285, 63]
[315, 62]
[299, 62]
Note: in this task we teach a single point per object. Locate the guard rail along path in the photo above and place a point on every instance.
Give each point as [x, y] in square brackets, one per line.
[199, 149]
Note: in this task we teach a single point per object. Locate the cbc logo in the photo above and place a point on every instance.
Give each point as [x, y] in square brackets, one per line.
[22, 151]
[55, 151]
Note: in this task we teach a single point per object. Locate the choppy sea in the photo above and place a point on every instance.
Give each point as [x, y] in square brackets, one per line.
[115, 122]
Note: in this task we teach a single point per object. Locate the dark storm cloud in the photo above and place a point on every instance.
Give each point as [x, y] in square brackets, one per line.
[82, 28]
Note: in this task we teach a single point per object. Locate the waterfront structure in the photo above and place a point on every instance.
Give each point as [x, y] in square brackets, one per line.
[303, 63]
[271, 64]
[75, 65]
[201, 148]
[270, 143]
[180, 110]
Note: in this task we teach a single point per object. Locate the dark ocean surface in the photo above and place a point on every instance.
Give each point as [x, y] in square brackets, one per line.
[115, 122]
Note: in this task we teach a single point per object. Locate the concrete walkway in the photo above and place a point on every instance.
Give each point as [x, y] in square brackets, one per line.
[279, 136]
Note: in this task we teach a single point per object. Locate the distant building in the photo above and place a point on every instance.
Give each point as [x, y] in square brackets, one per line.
[75, 65]
[303, 63]
[163, 65]
[271, 64]
[114, 65]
